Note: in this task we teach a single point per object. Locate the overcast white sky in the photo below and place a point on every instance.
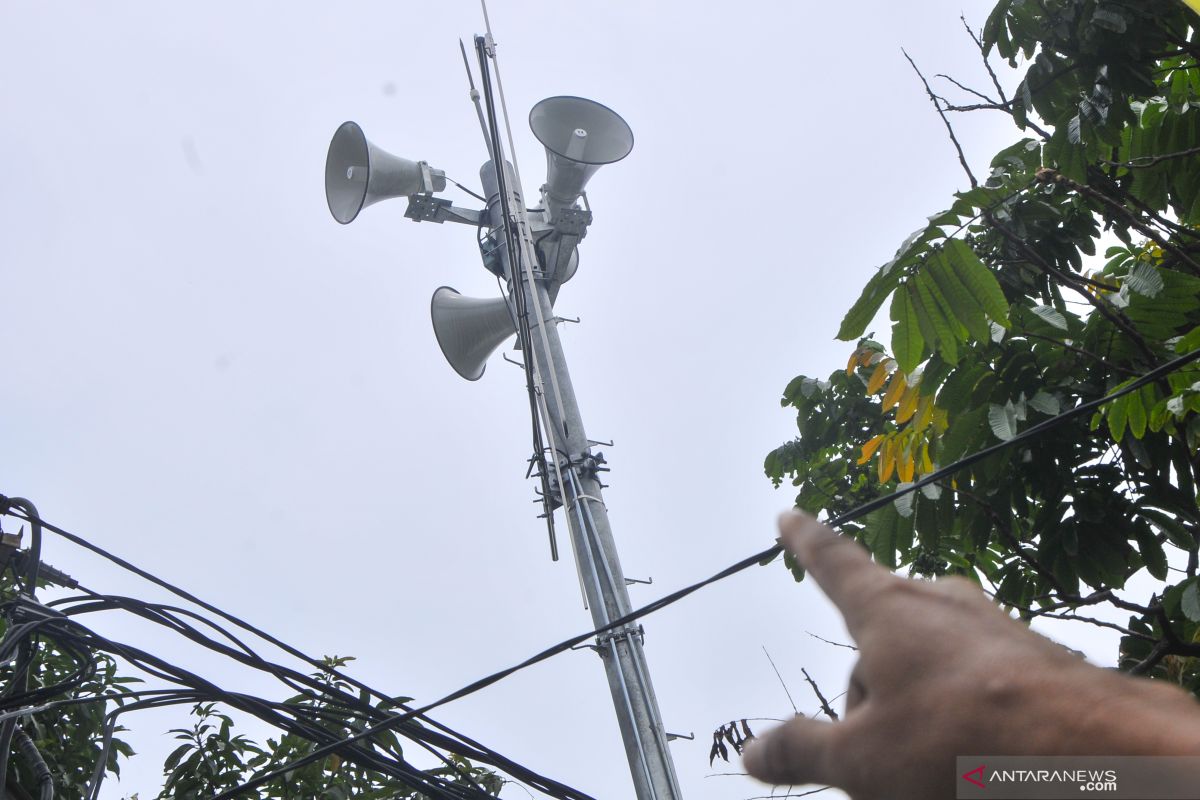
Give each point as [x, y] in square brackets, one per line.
[209, 376]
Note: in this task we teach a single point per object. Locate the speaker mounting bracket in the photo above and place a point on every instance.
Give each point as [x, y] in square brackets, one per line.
[573, 222]
[427, 208]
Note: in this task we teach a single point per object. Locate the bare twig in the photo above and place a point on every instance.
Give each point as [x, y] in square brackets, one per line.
[968, 89]
[827, 641]
[1149, 161]
[829, 712]
[1064, 615]
[780, 677]
[933, 98]
[978, 40]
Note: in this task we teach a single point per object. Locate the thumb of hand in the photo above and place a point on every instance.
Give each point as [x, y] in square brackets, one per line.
[796, 752]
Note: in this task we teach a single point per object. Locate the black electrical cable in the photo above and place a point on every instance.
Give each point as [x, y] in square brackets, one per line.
[426, 738]
[765, 555]
[287, 717]
[306, 686]
[476, 195]
[41, 772]
[423, 737]
[451, 740]
[492, 757]
[20, 679]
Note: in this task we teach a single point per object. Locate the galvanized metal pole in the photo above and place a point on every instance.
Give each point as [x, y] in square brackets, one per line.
[604, 583]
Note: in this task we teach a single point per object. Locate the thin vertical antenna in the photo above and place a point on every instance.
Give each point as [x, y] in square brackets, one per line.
[521, 216]
[487, 139]
[517, 259]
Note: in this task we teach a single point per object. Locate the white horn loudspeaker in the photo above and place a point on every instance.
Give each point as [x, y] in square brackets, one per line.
[357, 174]
[469, 329]
[580, 136]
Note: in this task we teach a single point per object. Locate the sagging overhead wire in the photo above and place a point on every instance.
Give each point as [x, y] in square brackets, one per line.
[308, 722]
[48, 620]
[758, 558]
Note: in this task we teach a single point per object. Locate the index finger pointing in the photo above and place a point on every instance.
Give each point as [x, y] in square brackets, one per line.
[839, 565]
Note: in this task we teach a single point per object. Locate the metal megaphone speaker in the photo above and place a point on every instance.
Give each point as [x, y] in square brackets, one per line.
[469, 329]
[357, 174]
[580, 136]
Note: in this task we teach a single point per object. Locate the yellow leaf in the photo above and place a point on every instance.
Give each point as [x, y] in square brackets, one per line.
[892, 395]
[941, 420]
[870, 447]
[887, 461]
[926, 463]
[852, 363]
[877, 378]
[924, 414]
[908, 404]
[905, 466]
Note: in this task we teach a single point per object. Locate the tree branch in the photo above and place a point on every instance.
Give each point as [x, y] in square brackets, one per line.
[978, 40]
[829, 712]
[1100, 359]
[835, 644]
[1047, 175]
[1113, 315]
[933, 98]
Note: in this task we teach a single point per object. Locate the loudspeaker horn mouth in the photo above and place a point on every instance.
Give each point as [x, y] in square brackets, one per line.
[581, 130]
[469, 329]
[348, 151]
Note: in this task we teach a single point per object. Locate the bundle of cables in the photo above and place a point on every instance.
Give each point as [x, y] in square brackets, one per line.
[320, 710]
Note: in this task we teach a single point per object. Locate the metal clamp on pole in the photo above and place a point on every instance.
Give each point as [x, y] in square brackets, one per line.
[617, 634]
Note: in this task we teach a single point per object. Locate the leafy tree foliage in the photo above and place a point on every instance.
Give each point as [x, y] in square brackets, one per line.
[1069, 270]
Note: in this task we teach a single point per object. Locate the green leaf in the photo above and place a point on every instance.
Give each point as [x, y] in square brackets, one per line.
[887, 532]
[963, 304]
[1152, 552]
[1046, 403]
[884, 282]
[859, 316]
[978, 278]
[1109, 18]
[1117, 417]
[943, 341]
[907, 343]
[956, 391]
[957, 330]
[1189, 602]
[1190, 342]
[1135, 413]
[1003, 420]
[1051, 316]
[1144, 279]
